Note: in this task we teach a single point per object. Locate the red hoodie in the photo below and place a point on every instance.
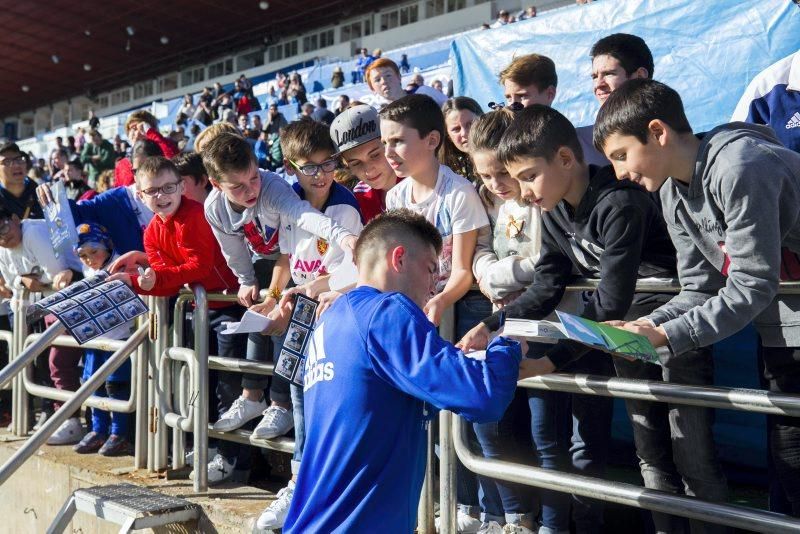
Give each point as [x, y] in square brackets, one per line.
[123, 170]
[183, 250]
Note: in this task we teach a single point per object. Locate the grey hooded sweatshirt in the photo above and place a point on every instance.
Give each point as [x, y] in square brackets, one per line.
[255, 230]
[736, 228]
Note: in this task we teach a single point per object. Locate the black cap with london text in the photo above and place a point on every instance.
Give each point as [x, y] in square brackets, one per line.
[355, 126]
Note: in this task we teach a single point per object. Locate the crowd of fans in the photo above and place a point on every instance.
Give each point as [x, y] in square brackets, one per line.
[204, 204]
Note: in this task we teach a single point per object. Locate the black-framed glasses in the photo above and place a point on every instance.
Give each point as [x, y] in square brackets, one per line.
[8, 162]
[166, 189]
[514, 106]
[313, 169]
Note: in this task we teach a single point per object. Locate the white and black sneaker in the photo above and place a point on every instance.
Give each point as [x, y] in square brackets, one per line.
[219, 470]
[277, 421]
[275, 514]
[70, 432]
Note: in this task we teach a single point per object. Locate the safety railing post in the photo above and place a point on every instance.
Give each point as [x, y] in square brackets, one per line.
[21, 400]
[140, 448]
[426, 523]
[199, 389]
[176, 377]
[447, 474]
[152, 400]
[160, 343]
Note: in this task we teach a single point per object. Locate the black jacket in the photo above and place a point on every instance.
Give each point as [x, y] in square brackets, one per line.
[616, 234]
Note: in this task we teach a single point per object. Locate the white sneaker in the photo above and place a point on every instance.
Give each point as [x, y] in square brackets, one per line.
[219, 470]
[212, 451]
[516, 529]
[240, 412]
[490, 527]
[277, 421]
[275, 514]
[68, 433]
[465, 523]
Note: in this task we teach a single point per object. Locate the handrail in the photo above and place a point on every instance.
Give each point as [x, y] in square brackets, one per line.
[70, 406]
[620, 493]
[8, 337]
[30, 353]
[199, 388]
[749, 400]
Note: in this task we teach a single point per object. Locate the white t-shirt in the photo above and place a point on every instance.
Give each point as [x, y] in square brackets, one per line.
[311, 256]
[34, 255]
[454, 207]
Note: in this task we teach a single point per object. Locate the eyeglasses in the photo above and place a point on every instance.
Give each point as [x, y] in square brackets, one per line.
[514, 106]
[166, 189]
[313, 169]
[8, 162]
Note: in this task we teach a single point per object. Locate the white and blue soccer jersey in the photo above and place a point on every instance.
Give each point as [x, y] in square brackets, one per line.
[311, 256]
[374, 366]
[773, 98]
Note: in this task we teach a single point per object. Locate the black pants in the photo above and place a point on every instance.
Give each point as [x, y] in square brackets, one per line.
[782, 373]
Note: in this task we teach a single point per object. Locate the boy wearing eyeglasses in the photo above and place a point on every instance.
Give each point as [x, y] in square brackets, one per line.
[181, 249]
[310, 156]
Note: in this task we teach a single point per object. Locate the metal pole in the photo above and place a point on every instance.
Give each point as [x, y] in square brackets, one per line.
[750, 400]
[447, 474]
[152, 400]
[199, 390]
[620, 493]
[21, 331]
[426, 523]
[140, 453]
[160, 344]
[69, 407]
[27, 355]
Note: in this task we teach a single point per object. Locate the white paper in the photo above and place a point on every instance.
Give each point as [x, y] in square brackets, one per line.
[345, 275]
[543, 331]
[251, 322]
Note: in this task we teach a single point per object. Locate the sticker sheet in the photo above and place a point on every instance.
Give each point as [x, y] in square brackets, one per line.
[291, 361]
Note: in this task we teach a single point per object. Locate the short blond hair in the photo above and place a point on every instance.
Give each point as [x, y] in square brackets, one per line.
[211, 132]
[531, 69]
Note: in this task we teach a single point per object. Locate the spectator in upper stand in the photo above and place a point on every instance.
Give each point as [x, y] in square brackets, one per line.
[206, 96]
[71, 145]
[297, 90]
[773, 98]
[243, 104]
[437, 84]
[203, 113]
[363, 61]
[60, 144]
[58, 163]
[337, 78]
[281, 80]
[17, 192]
[342, 103]
[97, 155]
[405, 68]
[241, 122]
[256, 124]
[418, 79]
[322, 113]
[218, 90]
[94, 122]
[75, 183]
[141, 125]
[383, 77]
[120, 147]
[245, 84]
[275, 121]
[79, 140]
[529, 13]
[307, 111]
[503, 18]
[186, 111]
[377, 53]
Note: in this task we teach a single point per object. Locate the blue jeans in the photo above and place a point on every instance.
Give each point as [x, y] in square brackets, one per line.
[469, 311]
[571, 433]
[674, 442]
[299, 427]
[504, 502]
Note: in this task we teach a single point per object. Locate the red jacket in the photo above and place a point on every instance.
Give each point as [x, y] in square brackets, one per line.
[183, 250]
[123, 170]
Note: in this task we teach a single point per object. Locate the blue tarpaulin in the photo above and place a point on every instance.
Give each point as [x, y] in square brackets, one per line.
[707, 50]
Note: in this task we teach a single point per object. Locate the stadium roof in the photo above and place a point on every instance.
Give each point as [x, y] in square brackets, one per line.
[57, 49]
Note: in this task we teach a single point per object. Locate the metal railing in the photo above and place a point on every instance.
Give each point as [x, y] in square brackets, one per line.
[170, 393]
[454, 441]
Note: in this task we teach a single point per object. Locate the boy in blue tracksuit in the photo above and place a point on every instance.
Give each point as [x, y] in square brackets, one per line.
[376, 370]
